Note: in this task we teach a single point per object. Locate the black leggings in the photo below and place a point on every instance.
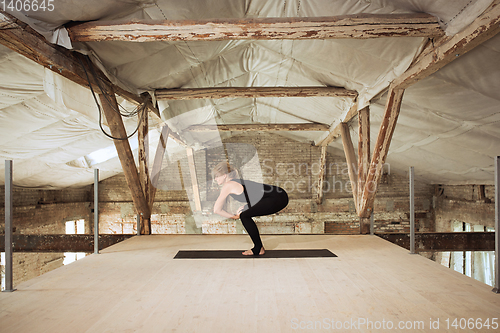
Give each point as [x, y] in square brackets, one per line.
[272, 202]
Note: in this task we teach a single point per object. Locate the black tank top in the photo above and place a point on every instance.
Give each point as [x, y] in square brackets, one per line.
[252, 191]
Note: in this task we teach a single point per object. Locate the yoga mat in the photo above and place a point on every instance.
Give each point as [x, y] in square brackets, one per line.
[236, 254]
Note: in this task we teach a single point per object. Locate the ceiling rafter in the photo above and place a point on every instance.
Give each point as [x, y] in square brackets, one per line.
[252, 92]
[360, 26]
[258, 127]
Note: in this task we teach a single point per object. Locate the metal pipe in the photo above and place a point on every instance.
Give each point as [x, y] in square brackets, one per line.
[138, 224]
[8, 227]
[96, 211]
[372, 224]
[497, 225]
[412, 211]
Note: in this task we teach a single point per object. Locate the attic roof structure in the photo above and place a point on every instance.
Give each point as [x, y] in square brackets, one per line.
[447, 126]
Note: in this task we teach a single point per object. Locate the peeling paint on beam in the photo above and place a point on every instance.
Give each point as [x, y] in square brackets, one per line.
[444, 241]
[448, 49]
[259, 127]
[61, 243]
[360, 26]
[252, 92]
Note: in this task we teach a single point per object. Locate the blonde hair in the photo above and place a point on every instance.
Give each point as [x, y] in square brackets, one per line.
[224, 168]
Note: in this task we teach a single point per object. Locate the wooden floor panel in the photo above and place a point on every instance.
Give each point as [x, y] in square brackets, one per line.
[137, 286]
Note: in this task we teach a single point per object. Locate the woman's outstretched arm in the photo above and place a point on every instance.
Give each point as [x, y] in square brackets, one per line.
[219, 203]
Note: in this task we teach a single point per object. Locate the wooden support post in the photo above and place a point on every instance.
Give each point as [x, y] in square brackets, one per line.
[115, 123]
[384, 138]
[321, 176]
[194, 178]
[351, 160]
[142, 137]
[364, 225]
[155, 173]
[363, 150]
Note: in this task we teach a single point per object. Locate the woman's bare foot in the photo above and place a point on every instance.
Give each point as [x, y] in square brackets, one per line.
[250, 252]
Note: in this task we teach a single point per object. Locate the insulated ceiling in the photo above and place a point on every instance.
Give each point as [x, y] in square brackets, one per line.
[448, 126]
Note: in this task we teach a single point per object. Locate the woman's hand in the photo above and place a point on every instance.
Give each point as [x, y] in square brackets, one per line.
[235, 217]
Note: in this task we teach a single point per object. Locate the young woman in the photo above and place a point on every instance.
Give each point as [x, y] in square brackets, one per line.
[260, 199]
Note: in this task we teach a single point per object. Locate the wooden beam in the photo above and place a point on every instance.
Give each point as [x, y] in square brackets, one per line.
[22, 39]
[321, 176]
[346, 26]
[351, 159]
[252, 92]
[447, 49]
[336, 130]
[381, 149]
[160, 152]
[115, 123]
[194, 178]
[155, 114]
[259, 127]
[60, 243]
[444, 241]
[363, 150]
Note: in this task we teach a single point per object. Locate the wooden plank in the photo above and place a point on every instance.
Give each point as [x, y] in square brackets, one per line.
[125, 155]
[448, 49]
[347, 26]
[259, 127]
[321, 176]
[252, 92]
[22, 39]
[363, 149]
[372, 279]
[155, 173]
[194, 178]
[444, 241]
[351, 159]
[387, 127]
[61, 243]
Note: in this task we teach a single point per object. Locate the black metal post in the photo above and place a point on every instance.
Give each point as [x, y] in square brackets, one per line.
[412, 210]
[497, 226]
[96, 211]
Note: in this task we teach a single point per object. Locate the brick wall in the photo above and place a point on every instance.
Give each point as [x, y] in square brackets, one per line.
[274, 160]
[464, 203]
[43, 212]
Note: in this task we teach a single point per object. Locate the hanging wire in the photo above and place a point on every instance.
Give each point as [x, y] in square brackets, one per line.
[139, 109]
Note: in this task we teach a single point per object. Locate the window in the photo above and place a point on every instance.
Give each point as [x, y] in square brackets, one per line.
[476, 264]
[73, 228]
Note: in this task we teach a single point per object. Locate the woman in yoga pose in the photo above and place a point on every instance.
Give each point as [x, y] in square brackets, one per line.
[260, 199]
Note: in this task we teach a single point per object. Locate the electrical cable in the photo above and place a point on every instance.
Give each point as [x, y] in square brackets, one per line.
[139, 109]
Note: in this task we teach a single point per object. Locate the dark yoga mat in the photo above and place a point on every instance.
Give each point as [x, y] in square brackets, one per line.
[232, 254]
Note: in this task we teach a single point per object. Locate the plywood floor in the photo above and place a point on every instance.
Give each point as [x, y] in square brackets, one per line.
[136, 286]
